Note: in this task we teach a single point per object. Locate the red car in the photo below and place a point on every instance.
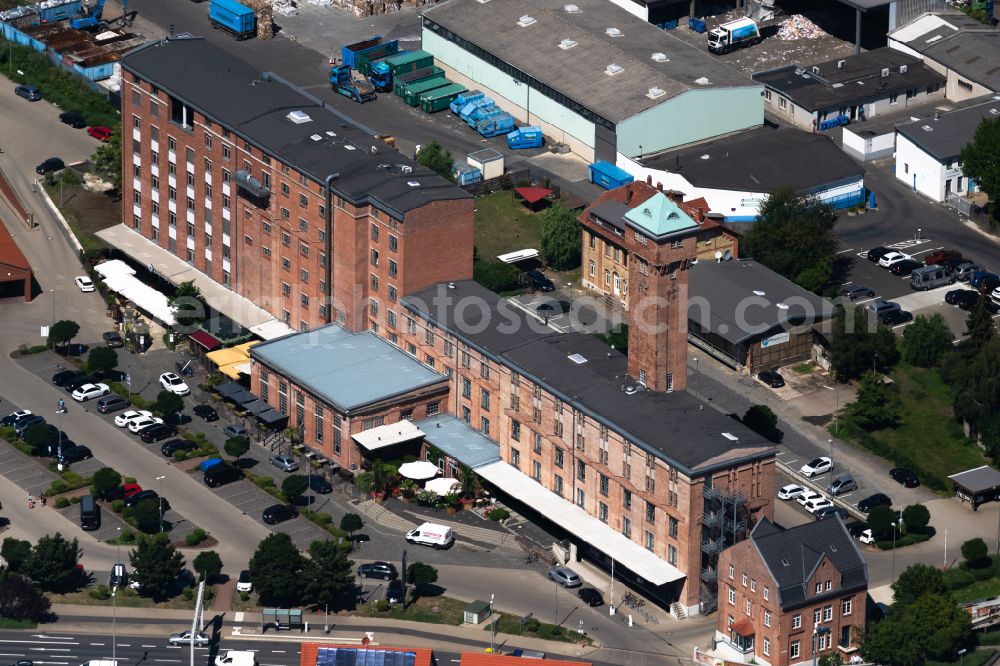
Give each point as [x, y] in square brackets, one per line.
[941, 256]
[100, 133]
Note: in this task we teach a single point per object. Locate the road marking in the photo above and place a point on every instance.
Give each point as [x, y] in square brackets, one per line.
[148, 646]
[789, 462]
[277, 652]
[60, 663]
[847, 250]
[124, 645]
[14, 640]
[11, 654]
[171, 661]
[51, 649]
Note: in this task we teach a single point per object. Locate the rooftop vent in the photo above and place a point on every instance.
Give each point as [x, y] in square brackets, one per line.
[902, 69]
[659, 57]
[579, 359]
[614, 32]
[885, 72]
[525, 21]
[731, 437]
[567, 44]
[784, 562]
[706, 156]
[413, 183]
[815, 69]
[316, 137]
[571, 9]
[702, 81]
[331, 133]
[298, 117]
[405, 168]
[841, 64]
[348, 146]
[994, 111]
[781, 306]
[613, 69]
[655, 92]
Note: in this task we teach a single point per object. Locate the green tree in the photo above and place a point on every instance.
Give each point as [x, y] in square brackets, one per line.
[208, 564]
[101, 359]
[20, 599]
[926, 341]
[40, 435]
[891, 643]
[420, 575]
[156, 566]
[880, 520]
[981, 161]
[561, 237]
[941, 627]
[106, 480]
[147, 515]
[979, 327]
[276, 569]
[857, 346]
[294, 486]
[351, 523]
[53, 563]
[17, 554]
[437, 159]
[107, 159]
[975, 393]
[62, 332]
[169, 404]
[379, 479]
[764, 422]
[793, 236]
[916, 581]
[876, 405]
[976, 553]
[916, 517]
[188, 306]
[495, 275]
[237, 446]
[470, 482]
[330, 578]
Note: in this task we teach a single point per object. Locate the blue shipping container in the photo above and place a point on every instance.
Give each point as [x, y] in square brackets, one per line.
[608, 176]
[459, 102]
[233, 17]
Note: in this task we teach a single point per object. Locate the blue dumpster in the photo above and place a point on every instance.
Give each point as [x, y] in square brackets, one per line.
[608, 176]
[697, 25]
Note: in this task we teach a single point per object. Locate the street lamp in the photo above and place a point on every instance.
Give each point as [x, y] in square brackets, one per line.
[892, 578]
[815, 631]
[114, 603]
[160, 479]
[961, 656]
[493, 624]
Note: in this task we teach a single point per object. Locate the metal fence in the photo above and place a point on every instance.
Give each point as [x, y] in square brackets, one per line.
[504, 182]
[960, 203]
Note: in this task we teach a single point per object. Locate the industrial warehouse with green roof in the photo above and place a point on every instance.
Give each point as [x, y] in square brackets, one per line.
[593, 76]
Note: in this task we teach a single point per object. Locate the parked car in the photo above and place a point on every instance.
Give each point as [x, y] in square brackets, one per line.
[590, 596]
[856, 291]
[816, 466]
[221, 474]
[988, 284]
[27, 422]
[872, 501]
[966, 270]
[956, 296]
[112, 403]
[890, 258]
[880, 306]
[136, 426]
[790, 492]
[829, 511]
[904, 476]
[807, 496]
[75, 454]
[155, 433]
[320, 485]
[905, 267]
[395, 591]
[122, 492]
[186, 638]
[235, 431]
[878, 252]
[842, 484]
[941, 256]
[894, 317]
[979, 277]
[171, 382]
[383, 570]
[119, 576]
[73, 119]
[90, 391]
[64, 377]
[13, 417]
[125, 418]
[113, 339]
[28, 92]
[50, 165]
[953, 262]
[284, 463]
[278, 513]
[79, 381]
[772, 378]
[565, 577]
[535, 280]
[243, 583]
[100, 132]
[133, 500]
[206, 412]
[815, 505]
[867, 537]
[172, 446]
[552, 307]
[84, 283]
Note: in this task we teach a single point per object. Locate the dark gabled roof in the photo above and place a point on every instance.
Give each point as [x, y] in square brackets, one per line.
[255, 106]
[959, 42]
[761, 160]
[944, 137]
[792, 555]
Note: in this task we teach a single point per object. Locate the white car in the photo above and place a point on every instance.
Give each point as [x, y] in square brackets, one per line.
[817, 466]
[243, 583]
[138, 424]
[171, 382]
[130, 415]
[84, 283]
[185, 638]
[807, 496]
[790, 492]
[90, 391]
[866, 537]
[890, 258]
[815, 505]
[995, 294]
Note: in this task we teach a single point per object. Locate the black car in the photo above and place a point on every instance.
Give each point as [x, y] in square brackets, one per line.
[75, 454]
[320, 485]
[73, 119]
[959, 296]
[906, 266]
[30, 93]
[904, 476]
[872, 501]
[206, 412]
[828, 511]
[894, 317]
[155, 433]
[172, 446]
[855, 529]
[856, 291]
[878, 252]
[111, 403]
[12, 418]
[772, 378]
[552, 307]
[27, 422]
[988, 284]
[50, 165]
[395, 592]
[133, 500]
[535, 280]
[383, 570]
[63, 377]
[278, 513]
[969, 304]
[590, 596]
[78, 381]
[113, 339]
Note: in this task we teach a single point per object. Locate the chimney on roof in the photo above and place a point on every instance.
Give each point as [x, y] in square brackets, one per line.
[649, 179]
[675, 196]
[628, 196]
[701, 215]
[659, 186]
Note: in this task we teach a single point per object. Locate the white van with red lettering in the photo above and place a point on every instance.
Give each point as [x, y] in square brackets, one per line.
[430, 534]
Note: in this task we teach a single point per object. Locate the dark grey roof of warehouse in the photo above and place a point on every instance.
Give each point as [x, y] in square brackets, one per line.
[579, 72]
[944, 137]
[256, 106]
[590, 374]
[741, 299]
[887, 123]
[792, 556]
[959, 42]
[978, 480]
[761, 160]
[855, 79]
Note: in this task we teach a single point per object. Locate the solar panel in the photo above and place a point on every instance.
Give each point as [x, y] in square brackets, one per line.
[364, 657]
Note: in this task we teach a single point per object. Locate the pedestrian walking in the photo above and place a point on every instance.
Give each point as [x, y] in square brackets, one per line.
[62, 406]
[45, 500]
[31, 501]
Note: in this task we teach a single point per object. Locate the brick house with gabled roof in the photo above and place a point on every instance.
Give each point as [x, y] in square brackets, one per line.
[784, 593]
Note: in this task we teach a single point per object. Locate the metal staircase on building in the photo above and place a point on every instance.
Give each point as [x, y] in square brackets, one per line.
[677, 610]
[725, 521]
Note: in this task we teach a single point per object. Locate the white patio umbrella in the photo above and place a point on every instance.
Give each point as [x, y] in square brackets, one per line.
[419, 470]
[442, 486]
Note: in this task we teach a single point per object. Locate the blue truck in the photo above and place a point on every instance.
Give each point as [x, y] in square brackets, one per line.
[467, 97]
[233, 17]
[525, 137]
[495, 125]
[348, 83]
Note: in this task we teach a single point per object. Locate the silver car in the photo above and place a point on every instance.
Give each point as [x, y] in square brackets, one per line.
[842, 484]
[284, 463]
[565, 577]
[184, 638]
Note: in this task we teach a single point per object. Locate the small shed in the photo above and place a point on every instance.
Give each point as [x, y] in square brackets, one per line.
[977, 486]
[476, 612]
[488, 161]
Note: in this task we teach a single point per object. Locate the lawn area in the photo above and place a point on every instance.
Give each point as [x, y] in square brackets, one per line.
[928, 440]
[8, 623]
[86, 212]
[975, 658]
[127, 598]
[981, 589]
[511, 624]
[436, 610]
[502, 224]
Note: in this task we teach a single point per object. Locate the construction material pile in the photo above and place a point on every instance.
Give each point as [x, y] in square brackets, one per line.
[797, 27]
